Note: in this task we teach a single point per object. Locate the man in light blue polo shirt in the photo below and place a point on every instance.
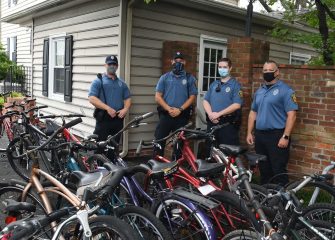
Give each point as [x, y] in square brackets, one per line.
[274, 110]
[110, 93]
[222, 104]
[175, 93]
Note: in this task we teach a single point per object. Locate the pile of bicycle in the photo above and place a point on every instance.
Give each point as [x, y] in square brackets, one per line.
[68, 191]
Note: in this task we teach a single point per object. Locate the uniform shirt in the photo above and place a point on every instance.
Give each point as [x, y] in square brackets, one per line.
[116, 91]
[174, 88]
[230, 92]
[272, 105]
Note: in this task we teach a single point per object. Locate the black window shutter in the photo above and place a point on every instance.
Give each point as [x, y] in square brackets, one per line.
[8, 47]
[45, 68]
[14, 53]
[68, 69]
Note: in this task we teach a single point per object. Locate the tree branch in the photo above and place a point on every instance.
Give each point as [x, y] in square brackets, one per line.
[266, 6]
[330, 13]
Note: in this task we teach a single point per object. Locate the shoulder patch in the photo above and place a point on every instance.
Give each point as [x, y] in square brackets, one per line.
[294, 98]
[240, 93]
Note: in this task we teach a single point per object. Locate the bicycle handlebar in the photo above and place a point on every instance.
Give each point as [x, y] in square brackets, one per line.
[65, 116]
[5, 94]
[35, 108]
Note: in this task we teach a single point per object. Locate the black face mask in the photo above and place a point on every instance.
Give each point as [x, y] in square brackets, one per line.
[269, 76]
[177, 68]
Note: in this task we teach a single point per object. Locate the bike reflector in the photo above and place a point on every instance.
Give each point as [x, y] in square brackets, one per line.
[10, 219]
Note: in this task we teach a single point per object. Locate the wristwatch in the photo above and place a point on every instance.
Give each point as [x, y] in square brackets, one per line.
[287, 137]
[181, 109]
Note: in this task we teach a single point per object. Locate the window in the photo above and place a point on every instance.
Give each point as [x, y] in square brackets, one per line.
[299, 58]
[11, 48]
[12, 3]
[57, 68]
[212, 50]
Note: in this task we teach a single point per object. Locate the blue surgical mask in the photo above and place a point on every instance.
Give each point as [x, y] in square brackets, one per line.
[111, 69]
[178, 68]
[224, 72]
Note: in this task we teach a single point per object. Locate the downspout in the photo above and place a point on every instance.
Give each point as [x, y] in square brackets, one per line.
[127, 62]
[32, 56]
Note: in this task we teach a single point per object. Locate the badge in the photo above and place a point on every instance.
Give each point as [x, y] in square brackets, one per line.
[228, 89]
[275, 92]
[184, 81]
[240, 93]
[294, 98]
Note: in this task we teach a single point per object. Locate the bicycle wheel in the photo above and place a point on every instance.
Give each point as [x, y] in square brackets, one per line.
[14, 192]
[144, 222]
[183, 219]
[326, 194]
[109, 227]
[235, 211]
[241, 235]
[320, 211]
[306, 233]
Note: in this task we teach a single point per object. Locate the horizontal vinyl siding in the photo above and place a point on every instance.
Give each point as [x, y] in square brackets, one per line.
[155, 23]
[21, 5]
[95, 30]
[23, 35]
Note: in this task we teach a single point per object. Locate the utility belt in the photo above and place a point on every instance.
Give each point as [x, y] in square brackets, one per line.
[185, 114]
[281, 130]
[234, 118]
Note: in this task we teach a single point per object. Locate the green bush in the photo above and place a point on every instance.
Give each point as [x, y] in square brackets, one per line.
[5, 63]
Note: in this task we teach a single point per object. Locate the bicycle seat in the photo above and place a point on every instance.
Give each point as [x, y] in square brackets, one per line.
[160, 169]
[80, 178]
[232, 150]
[254, 158]
[205, 169]
[14, 206]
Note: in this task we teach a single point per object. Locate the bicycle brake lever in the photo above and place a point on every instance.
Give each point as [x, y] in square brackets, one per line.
[82, 216]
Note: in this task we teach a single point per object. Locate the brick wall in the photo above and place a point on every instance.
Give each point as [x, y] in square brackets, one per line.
[313, 139]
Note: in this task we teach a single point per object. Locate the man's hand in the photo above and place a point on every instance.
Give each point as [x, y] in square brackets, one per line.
[283, 143]
[122, 113]
[174, 112]
[111, 112]
[250, 139]
[215, 116]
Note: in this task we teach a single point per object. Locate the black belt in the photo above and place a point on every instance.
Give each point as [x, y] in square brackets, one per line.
[270, 130]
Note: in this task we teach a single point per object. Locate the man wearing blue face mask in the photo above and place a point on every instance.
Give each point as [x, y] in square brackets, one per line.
[222, 104]
[175, 93]
[110, 94]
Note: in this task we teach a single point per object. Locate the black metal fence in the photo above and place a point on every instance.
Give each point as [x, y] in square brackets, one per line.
[18, 80]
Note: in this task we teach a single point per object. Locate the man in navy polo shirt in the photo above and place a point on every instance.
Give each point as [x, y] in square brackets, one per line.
[222, 104]
[175, 93]
[274, 109]
[116, 103]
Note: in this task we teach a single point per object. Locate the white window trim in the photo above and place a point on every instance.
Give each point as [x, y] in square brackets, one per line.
[203, 39]
[52, 95]
[302, 55]
[11, 46]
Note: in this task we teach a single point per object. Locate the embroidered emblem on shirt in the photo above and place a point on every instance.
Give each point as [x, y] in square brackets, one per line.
[228, 89]
[275, 92]
[240, 93]
[120, 84]
[294, 98]
[184, 81]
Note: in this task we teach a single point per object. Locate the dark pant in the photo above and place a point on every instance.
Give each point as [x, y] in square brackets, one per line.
[266, 143]
[166, 125]
[226, 135]
[108, 126]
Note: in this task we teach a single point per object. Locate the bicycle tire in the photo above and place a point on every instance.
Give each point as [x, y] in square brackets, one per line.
[9, 191]
[321, 212]
[165, 206]
[326, 194]
[241, 235]
[236, 206]
[132, 213]
[328, 229]
[113, 225]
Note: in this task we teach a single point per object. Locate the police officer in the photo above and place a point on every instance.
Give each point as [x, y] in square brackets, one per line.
[222, 104]
[175, 92]
[274, 110]
[111, 94]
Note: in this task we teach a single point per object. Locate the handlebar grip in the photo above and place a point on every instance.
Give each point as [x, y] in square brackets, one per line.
[276, 236]
[73, 122]
[54, 216]
[48, 116]
[75, 115]
[147, 115]
[139, 148]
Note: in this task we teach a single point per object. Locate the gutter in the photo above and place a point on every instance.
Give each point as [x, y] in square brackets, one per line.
[127, 61]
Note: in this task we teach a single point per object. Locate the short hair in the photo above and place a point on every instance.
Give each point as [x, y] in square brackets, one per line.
[272, 61]
[227, 60]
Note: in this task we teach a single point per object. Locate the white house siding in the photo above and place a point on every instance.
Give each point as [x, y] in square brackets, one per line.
[23, 35]
[21, 5]
[95, 29]
[155, 23]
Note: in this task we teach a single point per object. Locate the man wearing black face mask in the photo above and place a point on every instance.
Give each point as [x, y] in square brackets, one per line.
[110, 93]
[274, 110]
[175, 93]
